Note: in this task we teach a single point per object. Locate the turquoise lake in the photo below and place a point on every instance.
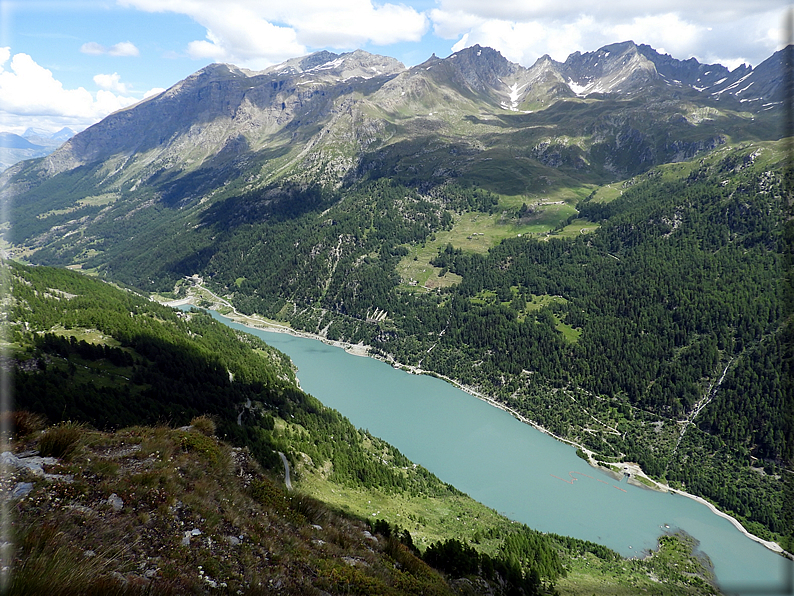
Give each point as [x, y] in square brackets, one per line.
[517, 470]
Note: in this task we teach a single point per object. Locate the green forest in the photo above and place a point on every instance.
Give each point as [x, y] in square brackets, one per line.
[672, 303]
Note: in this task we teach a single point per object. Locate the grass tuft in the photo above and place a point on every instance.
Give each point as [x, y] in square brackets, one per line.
[203, 424]
[24, 423]
[47, 566]
[314, 510]
[61, 440]
[202, 445]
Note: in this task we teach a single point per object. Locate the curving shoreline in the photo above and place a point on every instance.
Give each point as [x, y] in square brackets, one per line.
[256, 322]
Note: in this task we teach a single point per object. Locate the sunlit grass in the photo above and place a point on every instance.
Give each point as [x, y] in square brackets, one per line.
[568, 332]
[608, 192]
[478, 232]
[92, 336]
[428, 519]
[577, 227]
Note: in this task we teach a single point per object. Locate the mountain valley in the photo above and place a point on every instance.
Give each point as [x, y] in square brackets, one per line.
[158, 503]
[600, 244]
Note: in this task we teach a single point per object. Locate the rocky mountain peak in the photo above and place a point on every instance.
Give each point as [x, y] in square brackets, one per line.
[764, 87]
[485, 64]
[317, 59]
[618, 67]
[359, 64]
[481, 70]
[341, 66]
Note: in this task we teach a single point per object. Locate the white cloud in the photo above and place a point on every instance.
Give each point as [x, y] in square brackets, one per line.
[199, 50]
[152, 92]
[111, 81]
[256, 34]
[238, 36]
[359, 23]
[30, 94]
[525, 42]
[508, 37]
[124, 48]
[522, 10]
[92, 48]
[677, 36]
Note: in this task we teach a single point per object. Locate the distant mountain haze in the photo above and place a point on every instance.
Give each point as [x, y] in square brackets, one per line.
[31, 144]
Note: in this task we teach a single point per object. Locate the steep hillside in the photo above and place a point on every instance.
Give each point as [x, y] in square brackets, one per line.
[172, 509]
[645, 326]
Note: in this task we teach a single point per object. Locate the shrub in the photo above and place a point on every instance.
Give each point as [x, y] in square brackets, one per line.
[351, 580]
[267, 493]
[23, 422]
[314, 510]
[202, 445]
[275, 497]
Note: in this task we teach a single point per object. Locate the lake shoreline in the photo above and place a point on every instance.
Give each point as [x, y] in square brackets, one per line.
[632, 469]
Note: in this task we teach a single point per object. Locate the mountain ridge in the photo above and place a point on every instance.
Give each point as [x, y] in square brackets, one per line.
[31, 144]
[225, 108]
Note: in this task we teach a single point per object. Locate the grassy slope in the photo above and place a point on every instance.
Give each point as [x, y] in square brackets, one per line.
[246, 532]
[253, 535]
[478, 232]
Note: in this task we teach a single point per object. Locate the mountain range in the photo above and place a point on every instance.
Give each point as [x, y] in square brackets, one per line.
[31, 144]
[332, 119]
[329, 115]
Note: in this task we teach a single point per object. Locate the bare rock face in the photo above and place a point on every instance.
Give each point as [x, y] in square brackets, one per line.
[617, 68]
[339, 66]
[221, 108]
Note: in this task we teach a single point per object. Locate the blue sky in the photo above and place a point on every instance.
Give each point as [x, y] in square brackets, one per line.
[72, 62]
